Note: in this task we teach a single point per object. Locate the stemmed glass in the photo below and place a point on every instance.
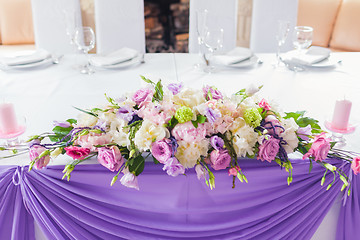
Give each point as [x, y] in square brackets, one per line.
[200, 31]
[213, 41]
[85, 40]
[283, 29]
[302, 38]
[70, 19]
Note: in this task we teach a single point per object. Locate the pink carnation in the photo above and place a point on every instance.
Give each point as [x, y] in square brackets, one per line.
[320, 148]
[264, 104]
[77, 152]
[355, 165]
[34, 152]
[188, 133]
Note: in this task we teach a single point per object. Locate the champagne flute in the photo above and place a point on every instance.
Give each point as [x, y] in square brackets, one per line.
[85, 40]
[283, 28]
[213, 41]
[302, 38]
[200, 31]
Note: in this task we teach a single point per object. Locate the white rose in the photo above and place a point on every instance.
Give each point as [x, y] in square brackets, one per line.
[188, 153]
[148, 133]
[244, 141]
[190, 97]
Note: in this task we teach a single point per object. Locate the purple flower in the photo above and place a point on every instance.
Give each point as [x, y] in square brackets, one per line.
[173, 167]
[126, 112]
[212, 93]
[162, 150]
[304, 132]
[62, 124]
[129, 180]
[34, 153]
[268, 149]
[110, 158]
[174, 145]
[220, 159]
[142, 95]
[212, 115]
[175, 87]
[134, 119]
[101, 124]
[216, 142]
[200, 171]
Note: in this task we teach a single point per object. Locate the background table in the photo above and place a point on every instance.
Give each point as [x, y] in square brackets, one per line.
[47, 94]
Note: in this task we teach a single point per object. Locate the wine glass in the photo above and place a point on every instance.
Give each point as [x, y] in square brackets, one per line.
[213, 41]
[70, 20]
[200, 31]
[302, 38]
[85, 40]
[283, 28]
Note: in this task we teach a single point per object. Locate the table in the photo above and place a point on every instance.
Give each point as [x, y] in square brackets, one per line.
[48, 94]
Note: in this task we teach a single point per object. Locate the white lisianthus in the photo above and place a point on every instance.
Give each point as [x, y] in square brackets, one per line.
[289, 135]
[251, 90]
[189, 152]
[244, 141]
[189, 97]
[86, 120]
[119, 137]
[56, 153]
[148, 133]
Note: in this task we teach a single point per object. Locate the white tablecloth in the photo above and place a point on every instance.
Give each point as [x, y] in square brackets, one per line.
[46, 94]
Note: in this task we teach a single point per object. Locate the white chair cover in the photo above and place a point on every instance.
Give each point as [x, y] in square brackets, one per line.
[226, 12]
[50, 24]
[265, 15]
[119, 23]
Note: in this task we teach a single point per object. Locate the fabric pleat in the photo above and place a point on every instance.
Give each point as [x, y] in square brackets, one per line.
[166, 207]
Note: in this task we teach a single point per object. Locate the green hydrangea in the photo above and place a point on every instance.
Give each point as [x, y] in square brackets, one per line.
[252, 117]
[183, 114]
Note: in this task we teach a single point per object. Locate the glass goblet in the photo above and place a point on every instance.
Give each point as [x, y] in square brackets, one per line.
[200, 31]
[213, 41]
[85, 40]
[302, 38]
[283, 28]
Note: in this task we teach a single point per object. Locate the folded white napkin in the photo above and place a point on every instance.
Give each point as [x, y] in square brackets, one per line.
[119, 56]
[313, 55]
[236, 55]
[37, 56]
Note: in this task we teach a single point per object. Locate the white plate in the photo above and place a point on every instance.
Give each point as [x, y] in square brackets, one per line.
[247, 63]
[29, 65]
[327, 63]
[125, 64]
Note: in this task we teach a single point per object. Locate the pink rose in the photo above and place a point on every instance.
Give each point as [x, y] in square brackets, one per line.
[34, 152]
[142, 95]
[77, 152]
[219, 159]
[273, 125]
[264, 104]
[188, 133]
[268, 149]
[173, 167]
[161, 150]
[110, 158]
[320, 148]
[129, 180]
[355, 165]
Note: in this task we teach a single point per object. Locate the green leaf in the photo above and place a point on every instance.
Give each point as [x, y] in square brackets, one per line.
[159, 93]
[199, 119]
[61, 130]
[155, 160]
[294, 115]
[87, 112]
[72, 121]
[310, 165]
[137, 165]
[303, 122]
[147, 80]
[195, 123]
[172, 123]
[241, 92]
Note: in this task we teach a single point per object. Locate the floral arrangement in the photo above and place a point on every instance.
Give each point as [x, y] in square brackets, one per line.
[187, 128]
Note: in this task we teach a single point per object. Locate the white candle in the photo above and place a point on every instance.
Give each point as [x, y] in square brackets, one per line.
[8, 122]
[341, 114]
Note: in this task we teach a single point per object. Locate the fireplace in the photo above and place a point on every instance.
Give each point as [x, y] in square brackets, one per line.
[166, 25]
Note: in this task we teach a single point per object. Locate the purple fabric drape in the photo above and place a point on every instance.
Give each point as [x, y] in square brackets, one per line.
[349, 218]
[165, 207]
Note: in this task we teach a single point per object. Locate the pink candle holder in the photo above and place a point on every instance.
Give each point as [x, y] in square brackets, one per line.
[339, 125]
[10, 125]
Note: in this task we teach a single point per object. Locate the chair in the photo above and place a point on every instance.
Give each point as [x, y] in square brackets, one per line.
[226, 12]
[50, 28]
[119, 23]
[265, 15]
